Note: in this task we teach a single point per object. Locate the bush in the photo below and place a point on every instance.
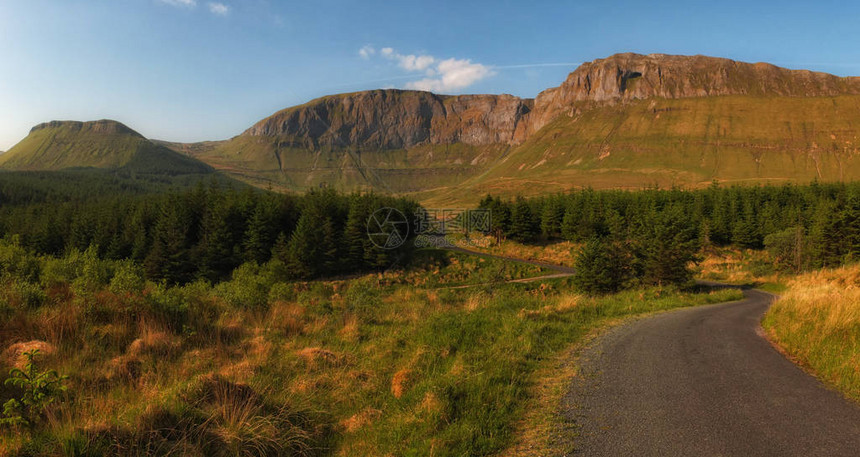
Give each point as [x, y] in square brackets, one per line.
[16, 262]
[249, 287]
[169, 304]
[27, 295]
[127, 279]
[92, 273]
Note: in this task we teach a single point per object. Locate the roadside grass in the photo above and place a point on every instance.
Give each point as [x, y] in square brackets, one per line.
[380, 364]
[816, 321]
[552, 252]
[742, 267]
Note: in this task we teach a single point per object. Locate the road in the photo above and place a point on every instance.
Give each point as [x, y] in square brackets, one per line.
[703, 381]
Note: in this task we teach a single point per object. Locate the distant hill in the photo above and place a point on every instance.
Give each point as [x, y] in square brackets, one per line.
[103, 144]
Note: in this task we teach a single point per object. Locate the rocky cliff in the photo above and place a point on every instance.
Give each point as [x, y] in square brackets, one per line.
[629, 76]
[397, 119]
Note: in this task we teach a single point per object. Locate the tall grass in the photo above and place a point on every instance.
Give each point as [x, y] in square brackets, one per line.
[817, 321]
[387, 364]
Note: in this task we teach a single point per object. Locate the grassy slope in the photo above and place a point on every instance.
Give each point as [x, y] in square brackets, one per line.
[817, 322]
[261, 161]
[59, 148]
[688, 142]
[377, 365]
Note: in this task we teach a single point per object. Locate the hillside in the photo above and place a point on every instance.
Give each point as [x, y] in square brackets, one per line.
[626, 121]
[103, 144]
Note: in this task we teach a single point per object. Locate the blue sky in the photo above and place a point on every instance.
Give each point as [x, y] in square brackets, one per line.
[190, 70]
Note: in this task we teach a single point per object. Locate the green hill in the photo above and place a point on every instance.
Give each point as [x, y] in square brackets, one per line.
[103, 144]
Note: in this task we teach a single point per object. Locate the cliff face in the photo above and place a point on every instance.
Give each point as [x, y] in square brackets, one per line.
[395, 119]
[634, 76]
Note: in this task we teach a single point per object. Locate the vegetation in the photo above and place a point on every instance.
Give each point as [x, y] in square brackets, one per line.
[207, 231]
[374, 365]
[660, 231]
[816, 322]
[99, 144]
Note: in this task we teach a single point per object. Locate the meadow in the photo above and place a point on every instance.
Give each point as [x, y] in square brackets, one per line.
[392, 363]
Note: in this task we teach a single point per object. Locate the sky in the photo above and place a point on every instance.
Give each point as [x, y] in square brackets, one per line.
[193, 70]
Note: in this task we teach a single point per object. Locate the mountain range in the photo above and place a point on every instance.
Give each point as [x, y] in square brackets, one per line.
[626, 121]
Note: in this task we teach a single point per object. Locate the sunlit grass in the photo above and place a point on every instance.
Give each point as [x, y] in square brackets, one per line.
[817, 322]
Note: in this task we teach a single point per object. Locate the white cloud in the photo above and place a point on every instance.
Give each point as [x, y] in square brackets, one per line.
[366, 51]
[185, 3]
[453, 75]
[216, 8]
[448, 75]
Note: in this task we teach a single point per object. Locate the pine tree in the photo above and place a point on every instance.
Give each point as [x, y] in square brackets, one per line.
[601, 267]
[524, 226]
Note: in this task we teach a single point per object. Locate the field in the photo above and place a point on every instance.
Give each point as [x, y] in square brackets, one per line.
[398, 363]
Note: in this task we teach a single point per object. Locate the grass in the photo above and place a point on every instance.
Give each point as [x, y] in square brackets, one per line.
[816, 321]
[551, 252]
[100, 144]
[743, 267]
[386, 364]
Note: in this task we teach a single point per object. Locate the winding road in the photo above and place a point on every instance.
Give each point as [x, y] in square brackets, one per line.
[703, 381]
[700, 381]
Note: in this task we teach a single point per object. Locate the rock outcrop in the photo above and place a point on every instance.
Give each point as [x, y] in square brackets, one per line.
[397, 119]
[634, 76]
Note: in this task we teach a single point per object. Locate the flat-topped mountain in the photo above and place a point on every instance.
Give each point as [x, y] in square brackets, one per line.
[103, 144]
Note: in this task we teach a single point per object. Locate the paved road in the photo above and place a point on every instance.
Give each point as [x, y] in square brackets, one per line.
[703, 382]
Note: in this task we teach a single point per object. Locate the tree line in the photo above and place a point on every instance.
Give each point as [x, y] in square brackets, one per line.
[207, 231]
[649, 235]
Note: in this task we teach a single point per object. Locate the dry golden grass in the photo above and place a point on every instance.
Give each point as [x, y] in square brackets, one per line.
[401, 381]
[817, 322]
[556, 253]
[14, 354]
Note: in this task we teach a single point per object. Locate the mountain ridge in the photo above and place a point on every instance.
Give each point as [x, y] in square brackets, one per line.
[627, 120]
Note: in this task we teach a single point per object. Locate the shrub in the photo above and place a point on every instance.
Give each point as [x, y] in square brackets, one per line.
[169, 304]
[249, 287]
[16, 262]
[92, 273]
[127, 279]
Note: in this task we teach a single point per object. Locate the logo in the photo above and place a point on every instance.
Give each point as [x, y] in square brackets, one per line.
[387, 228]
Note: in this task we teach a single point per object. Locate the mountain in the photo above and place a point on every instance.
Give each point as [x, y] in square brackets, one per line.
[103, 144]
[391, 140]
[626, 121]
